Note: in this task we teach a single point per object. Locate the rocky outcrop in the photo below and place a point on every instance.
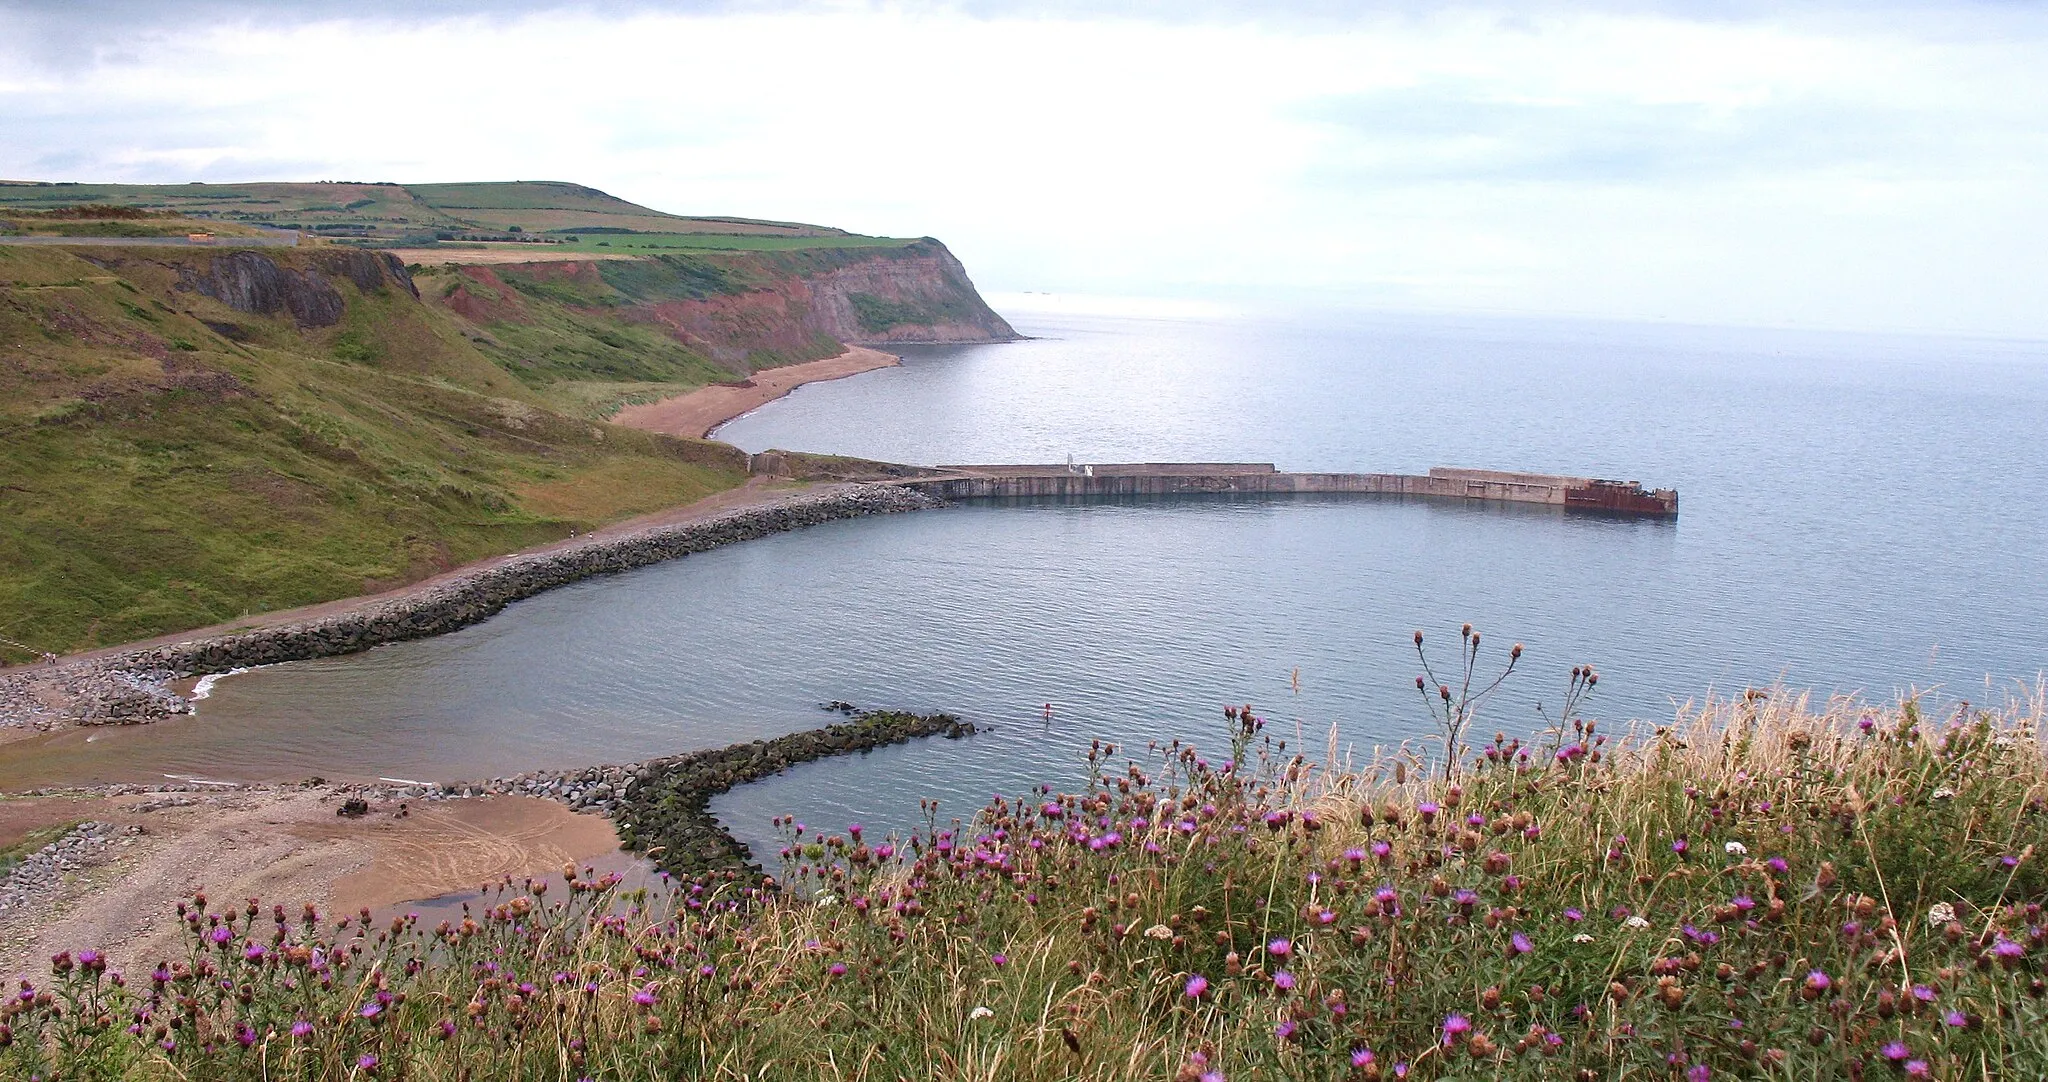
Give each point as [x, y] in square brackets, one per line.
[133, 687]
[263, 284]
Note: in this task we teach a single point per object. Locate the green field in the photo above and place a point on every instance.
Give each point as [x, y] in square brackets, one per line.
[732, 242]
[395, 214]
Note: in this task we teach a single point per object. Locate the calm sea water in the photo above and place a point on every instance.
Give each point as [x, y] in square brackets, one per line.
[1859, 514]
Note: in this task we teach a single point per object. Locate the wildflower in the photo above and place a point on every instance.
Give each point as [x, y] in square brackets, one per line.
[1283, 980]
[1361, 1057]
[1636, 922]
[1918, 1068]
[1944, 793]
[2007, 951]
[221, 935]
[1574, 914]
[1817, 983]
[1520, 943]
[1956, 1020]
[1896, 1051]
[1000, 960]
[1159, 931]
[1582, 938]
[1285, 1030]
[980, 1013]
[1778, 865]
[302, 1029]
[1736, 849]
[1923, 993]
[1280, 948]
[371, 1010]
[1197, 985]
[367, 1062]
[836, 969]
[1681, 846]
[1456, 1026]
[245, 1035]
[645, 997]
[1698, 1072]
[1941, 913]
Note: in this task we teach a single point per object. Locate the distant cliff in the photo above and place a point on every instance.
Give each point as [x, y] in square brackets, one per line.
[742, 310]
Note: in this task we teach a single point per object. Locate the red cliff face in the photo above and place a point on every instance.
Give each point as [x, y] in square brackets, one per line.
[745, 310]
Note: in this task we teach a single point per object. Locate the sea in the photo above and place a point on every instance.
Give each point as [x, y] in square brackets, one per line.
[1860, 515]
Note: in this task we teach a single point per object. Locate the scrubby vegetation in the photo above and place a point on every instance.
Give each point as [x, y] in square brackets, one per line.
[167, 462]
[1756, 891]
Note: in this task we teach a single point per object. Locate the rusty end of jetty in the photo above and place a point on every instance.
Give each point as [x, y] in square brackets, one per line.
[1198, 478]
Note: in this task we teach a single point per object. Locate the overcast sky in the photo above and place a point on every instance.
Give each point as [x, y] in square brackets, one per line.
[1875, 166]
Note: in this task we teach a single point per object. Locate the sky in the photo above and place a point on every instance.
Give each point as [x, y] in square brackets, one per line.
[1878, 166]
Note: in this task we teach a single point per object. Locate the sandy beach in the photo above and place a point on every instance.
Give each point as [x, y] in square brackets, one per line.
[285, 846]
[698, 412]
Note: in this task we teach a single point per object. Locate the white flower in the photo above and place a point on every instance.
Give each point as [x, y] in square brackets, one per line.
[1942, 913]
[1159, 931]
[1582, 937]
[980, 1013]
[1736, 849]
[2001, 741]
[827, 898]
[1944, 793]
[1636, 922]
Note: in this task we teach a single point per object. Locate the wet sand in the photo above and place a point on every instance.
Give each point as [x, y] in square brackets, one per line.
[284, 847]
[698, 412]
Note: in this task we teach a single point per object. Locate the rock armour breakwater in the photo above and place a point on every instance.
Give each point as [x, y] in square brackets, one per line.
[663, 807]
[135, 687]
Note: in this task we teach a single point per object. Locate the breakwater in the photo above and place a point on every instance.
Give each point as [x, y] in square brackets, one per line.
[663, 807]
[134, 686]
[1254, 478]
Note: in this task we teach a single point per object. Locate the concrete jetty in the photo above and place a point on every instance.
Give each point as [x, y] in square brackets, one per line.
[1215, 478]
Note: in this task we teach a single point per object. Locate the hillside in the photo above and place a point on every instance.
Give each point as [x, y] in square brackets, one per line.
[398, 213]
[193, 434]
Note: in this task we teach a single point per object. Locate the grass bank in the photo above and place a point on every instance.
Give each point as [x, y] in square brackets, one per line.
[1756, 891]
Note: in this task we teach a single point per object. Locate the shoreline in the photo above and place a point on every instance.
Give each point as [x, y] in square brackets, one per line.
[131, 683]
[696, 414]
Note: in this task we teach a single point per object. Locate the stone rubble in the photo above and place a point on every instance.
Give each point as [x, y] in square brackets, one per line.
[40, 876]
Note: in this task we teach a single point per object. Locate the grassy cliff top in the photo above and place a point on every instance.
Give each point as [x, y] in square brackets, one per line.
[391, 212]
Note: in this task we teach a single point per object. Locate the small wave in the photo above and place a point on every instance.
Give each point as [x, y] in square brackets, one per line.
[204, 688]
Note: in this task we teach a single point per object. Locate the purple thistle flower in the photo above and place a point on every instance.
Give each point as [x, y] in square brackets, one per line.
[302, 1029]
[371, 1010]
[1956, 1019]
[1456, 1026]
[1698, 1072]
[1818, 980]
[221, 935]
[1197, 985]
[836, 969]
[1361, 1057]
[1777, 864]
[1896, 1051]
[1918, 1068]
[1285, 1030]
[367, 1062]
[1574, 914]
[1923, 993]
[1283, 980]
[1520, 943]
[1280, 948]
[1681, 846]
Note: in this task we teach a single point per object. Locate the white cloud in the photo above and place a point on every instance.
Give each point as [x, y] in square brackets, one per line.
[1829, 169]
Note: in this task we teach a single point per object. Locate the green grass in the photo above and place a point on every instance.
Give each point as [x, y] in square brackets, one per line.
[34, 839]
[140, 496]
[733, 242]
[1757, 892]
